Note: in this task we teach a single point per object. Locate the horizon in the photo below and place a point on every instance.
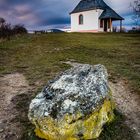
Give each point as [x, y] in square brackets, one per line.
[47, 14]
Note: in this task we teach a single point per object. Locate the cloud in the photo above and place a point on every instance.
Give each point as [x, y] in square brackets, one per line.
[20, 14]
[48, 13]
[121, 6]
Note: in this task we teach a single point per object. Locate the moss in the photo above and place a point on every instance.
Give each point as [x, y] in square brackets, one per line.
[86, 128]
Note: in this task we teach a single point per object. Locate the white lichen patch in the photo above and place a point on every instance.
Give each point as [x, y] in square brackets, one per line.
[67, 83]
[69, 105]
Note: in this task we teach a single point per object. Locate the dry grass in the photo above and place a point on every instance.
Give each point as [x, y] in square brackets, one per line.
[39, 56]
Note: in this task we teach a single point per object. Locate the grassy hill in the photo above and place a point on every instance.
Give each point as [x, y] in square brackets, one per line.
[41, 57]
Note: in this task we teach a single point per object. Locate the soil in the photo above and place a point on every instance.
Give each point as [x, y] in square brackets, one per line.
[128, 103]
[11, 85]
[15, 85]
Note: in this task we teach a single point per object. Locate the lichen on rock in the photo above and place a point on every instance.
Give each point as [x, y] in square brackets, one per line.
[74, 106]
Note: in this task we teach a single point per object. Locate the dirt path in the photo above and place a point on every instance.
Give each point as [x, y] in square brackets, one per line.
[15, 84]
[10, 86]
[128, 103]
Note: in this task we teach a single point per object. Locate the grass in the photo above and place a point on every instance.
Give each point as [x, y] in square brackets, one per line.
[40, 57]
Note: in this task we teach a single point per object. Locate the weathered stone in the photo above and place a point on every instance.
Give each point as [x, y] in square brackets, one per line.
[75, 105]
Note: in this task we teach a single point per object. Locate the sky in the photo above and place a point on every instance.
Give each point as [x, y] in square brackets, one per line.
[46, 14]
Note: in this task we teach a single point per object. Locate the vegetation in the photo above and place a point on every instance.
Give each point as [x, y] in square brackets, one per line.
[41, 57]
[6, 30]
[19, 29]
[136, 14]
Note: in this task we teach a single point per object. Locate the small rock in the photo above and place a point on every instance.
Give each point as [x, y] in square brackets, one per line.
[1, 130]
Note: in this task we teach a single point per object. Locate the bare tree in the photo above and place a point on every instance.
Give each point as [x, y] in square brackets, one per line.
[114, 29]
[136, 13]
[2, 21]
[7, 30]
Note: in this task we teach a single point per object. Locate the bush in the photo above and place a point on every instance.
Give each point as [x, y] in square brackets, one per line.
[6, 30]
[19, 29]
[135, 30]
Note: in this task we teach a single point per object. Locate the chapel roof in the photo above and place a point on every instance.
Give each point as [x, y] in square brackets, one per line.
[86, 5]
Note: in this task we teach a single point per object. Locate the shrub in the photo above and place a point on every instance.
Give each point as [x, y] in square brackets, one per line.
[6, 30]
[19, 29]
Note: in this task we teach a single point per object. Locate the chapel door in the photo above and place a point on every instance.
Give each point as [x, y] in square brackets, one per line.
[105, 25]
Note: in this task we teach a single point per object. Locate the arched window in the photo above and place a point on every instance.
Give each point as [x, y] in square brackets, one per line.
[81, 18]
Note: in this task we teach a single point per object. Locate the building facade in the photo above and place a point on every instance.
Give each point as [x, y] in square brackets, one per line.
[93, 16]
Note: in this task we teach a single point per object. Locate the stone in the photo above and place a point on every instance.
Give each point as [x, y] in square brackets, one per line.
[73, 106]
[1, 127]
[1, 130]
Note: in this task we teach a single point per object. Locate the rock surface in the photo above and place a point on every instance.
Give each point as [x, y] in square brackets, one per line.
[75, 105]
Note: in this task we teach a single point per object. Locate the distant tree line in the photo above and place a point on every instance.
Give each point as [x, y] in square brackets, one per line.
[7, 30]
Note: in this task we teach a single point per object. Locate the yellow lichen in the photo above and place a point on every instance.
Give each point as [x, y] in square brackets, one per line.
[75, 127]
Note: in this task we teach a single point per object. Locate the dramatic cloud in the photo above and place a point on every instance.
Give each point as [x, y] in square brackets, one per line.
[121, 6]
[51, 13]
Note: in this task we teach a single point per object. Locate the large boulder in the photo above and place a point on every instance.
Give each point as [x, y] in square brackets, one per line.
[75, 105]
